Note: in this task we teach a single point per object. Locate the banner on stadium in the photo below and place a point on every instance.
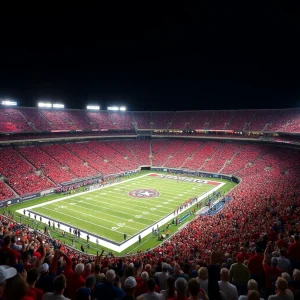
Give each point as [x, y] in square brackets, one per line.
[28, 197]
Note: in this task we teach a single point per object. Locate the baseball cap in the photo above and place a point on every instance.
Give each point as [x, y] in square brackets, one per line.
[6, 272]
[130, 282]
[44, 268]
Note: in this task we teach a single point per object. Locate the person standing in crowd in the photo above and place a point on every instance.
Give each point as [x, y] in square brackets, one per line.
[255, 266]
[181, 286]
[294, 252]
[239, 274]
[32, 277]
[228, 289]
[151, 294]
[162, 276]
[108, 290]
[85, 292]
[129, 288]
[271, 271]
[281, 288]
[60, 283]
[6, 273]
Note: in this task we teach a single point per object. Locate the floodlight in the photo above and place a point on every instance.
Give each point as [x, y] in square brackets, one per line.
[8, 102]
[93, 107]
[122, 108]
[113, 108]
[43, 104]
[58, 105]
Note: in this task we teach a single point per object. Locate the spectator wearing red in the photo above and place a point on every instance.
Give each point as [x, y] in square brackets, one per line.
[282, 243]
[76, 281]
[142, 287]
[271, 271]
[294, 252]
[8, 256]
[32, 277]
[87, 270]
[27, 255]
[255, 266]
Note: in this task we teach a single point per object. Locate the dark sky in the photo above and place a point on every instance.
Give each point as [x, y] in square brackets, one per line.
[153, 58]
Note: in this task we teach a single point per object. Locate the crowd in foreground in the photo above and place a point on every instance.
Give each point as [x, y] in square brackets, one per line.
[37, 267]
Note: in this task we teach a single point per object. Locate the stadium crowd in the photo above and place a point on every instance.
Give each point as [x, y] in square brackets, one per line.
[251, 247]
[249, 250]
[15, 120]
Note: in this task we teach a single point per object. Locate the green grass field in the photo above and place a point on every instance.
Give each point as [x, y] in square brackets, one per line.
[111, 211]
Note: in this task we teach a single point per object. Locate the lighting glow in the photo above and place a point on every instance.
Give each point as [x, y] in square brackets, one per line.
[113, 108]
[122, 108]
[93, 107]
[8, 102]
[58, 105]
[43, 104]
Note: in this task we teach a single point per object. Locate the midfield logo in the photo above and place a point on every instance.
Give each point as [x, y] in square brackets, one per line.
[143, 193]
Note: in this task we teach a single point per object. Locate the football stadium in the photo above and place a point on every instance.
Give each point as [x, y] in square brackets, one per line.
[146, 177]
[150, 153]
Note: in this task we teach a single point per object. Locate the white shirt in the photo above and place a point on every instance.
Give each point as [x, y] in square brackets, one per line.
[246, 298]
[53, 296]
[153, 296]
[162, 279]
[229, 290]
[289, 296]
[203, 285]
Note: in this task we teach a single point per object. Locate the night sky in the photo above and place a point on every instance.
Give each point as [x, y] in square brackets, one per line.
[153, 58]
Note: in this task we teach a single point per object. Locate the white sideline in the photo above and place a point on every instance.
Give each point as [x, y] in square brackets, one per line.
[107, 244]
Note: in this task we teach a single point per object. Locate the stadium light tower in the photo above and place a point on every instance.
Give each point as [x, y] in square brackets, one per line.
[9, 103]
[44, 104]
[58, 105]
[113, 108]
[93, 107]
[122, 108]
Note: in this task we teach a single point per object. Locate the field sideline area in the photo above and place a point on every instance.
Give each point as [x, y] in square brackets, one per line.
[129, 206]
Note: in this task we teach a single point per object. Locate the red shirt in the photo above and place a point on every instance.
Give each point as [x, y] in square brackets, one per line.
[255, 264]
[294, 251]
[85, 274]
[11, 254]
[142, 289]
[35, 291]
[271, 275]
[282, 244]
[76, 282]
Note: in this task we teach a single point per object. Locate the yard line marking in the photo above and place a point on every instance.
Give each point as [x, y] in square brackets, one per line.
[118, 205]
[83, 193]
[130, 199]
[144, 232]
[115, 216]
[59, 212]
[92, 216]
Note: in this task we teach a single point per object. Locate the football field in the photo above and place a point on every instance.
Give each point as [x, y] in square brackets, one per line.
[129, 206]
